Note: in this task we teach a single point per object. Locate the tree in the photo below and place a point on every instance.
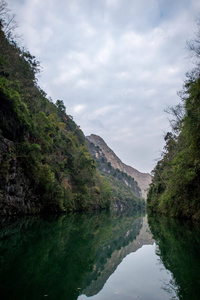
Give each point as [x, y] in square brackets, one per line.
[7, 21]
[60, 105]
[175, 189]
[193, 47]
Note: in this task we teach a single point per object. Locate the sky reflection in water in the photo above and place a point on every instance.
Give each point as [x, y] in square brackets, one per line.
[99, 256]
[141, 275]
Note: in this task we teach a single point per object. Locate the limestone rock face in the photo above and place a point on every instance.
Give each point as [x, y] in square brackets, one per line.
[15, 189]
[143, 179]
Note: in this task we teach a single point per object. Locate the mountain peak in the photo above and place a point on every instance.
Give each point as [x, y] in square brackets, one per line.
[143, 179]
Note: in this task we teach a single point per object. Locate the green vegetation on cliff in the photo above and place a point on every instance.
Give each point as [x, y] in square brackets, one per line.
[44, 161]
[125, 190]
[175, 189]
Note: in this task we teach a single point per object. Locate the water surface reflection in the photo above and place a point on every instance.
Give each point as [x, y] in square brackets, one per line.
[178, 246]
[101, 256]
[59, 257]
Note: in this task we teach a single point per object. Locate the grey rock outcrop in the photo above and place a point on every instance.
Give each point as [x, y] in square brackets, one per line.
[143, 179]
[15, 189]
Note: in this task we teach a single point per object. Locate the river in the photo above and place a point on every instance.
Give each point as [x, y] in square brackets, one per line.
[99, 256]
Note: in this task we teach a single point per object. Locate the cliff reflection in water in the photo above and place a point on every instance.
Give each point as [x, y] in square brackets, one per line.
[67, 256]
[114, 249]
[63, 257]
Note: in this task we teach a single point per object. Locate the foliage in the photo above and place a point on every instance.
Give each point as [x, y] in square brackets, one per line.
[122, 195]
[50, 147]
[175, 189]
[125, 190]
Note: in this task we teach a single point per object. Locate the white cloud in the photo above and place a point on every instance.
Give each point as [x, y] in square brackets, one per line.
[83, 84]
[105, 110]
[67, 74]
[115, 63]
[79, 109]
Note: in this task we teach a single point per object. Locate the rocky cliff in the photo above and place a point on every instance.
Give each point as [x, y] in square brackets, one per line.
[45, 165]
[143, 179]
[125, 190]
[16, 192]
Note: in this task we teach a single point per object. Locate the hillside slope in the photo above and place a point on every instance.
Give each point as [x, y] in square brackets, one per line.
[45, 165]
[175, 188]
[143, 179]
[125, 190]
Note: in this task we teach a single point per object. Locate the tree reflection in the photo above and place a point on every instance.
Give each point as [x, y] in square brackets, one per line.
[179, 250]
[59, 257]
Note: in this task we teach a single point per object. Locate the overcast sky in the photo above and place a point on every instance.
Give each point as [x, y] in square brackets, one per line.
[116, 64]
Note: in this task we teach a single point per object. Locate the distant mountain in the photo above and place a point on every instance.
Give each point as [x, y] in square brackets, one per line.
[125, 190]
[143, 179]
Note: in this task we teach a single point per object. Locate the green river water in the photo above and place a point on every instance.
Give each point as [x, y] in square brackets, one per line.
[100, 256]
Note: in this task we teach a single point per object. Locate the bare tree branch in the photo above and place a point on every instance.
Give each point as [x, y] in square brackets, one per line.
[193, 46]
[8, 22]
